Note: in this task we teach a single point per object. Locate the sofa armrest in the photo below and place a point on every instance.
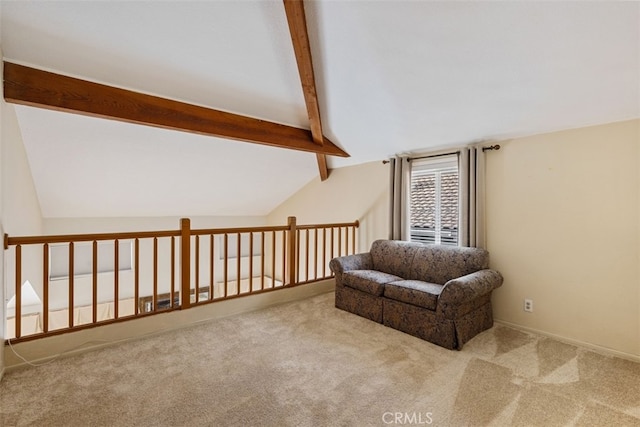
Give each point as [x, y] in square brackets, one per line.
[351, 262]
[463, 290]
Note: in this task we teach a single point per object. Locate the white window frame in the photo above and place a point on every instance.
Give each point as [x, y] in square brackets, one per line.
[436, 166]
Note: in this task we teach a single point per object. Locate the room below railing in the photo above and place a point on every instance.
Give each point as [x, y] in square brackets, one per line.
[70, 282]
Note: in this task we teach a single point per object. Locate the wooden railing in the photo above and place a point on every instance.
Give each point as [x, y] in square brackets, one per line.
[86, 280]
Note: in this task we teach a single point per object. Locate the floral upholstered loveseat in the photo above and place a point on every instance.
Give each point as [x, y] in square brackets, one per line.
[441, 294]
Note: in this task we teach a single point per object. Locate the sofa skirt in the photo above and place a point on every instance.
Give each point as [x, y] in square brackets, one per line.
[474, 322]
[419, 322]
[424, 323]
[360, 303]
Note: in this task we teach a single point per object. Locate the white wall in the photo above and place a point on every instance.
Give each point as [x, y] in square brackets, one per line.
[351, 193]
[564, 228]
[18, 200]
[21, 208]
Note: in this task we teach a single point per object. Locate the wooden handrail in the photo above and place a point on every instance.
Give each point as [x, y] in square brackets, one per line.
[66, 238]
[356, 224]
[209, 231]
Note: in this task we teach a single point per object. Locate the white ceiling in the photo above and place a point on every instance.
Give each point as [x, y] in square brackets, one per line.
[392, 76]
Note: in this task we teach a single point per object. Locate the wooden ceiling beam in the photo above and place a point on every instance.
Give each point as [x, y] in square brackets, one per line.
[300, 38]
[29, 86]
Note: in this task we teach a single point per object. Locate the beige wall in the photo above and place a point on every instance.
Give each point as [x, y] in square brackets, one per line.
[564, 228]
[563, 225]
[356, 192]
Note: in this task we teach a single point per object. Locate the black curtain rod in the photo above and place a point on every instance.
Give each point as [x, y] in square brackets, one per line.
[426, 157]
[491, 147]
[432, 156]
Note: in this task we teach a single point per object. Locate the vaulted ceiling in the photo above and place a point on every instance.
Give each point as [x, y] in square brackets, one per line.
[392, 76]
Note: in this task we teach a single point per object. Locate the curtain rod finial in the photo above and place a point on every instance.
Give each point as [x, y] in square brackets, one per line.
[491, 147]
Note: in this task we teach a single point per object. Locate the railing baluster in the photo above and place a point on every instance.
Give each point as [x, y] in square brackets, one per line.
[324, 251]
[262, 259]
[94, 281]
[262, 262]
[238, 260]
[116, 279]
[185, 263]
[332, 243]
[226, 262]
[339, 241]
[273, 259]
[292, 249]
[155, 274]
[197, 260]
[297, 258]
[172, 291]
[71, 290]
[136, 275]
[45, 288]
[353, 230]
[346, 240]
[315, 254]
[251, 261]
[212, 261]
[306, 257]
[284, 257]
[18, 310]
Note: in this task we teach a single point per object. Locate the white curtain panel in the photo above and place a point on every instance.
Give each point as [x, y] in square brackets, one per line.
[472, 197]
[400, 186]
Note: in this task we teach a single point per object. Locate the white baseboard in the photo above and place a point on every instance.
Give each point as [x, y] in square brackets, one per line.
[599, 349]
[45, 349]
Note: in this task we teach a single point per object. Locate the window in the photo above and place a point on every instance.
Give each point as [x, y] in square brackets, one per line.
[435, 200]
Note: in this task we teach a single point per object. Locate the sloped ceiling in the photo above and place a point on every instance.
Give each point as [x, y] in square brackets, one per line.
[392, 77]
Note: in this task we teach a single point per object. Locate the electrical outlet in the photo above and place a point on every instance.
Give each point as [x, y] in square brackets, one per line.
[528, 305]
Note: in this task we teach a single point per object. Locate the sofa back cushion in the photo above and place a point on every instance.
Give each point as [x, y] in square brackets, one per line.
[439, 263]
[430, 263]
[393, 256]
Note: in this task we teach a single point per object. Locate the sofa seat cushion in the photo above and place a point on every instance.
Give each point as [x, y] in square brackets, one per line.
[369, 281]
[415, 292]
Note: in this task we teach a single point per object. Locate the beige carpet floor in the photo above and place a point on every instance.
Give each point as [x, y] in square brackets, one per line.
[309, 364]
